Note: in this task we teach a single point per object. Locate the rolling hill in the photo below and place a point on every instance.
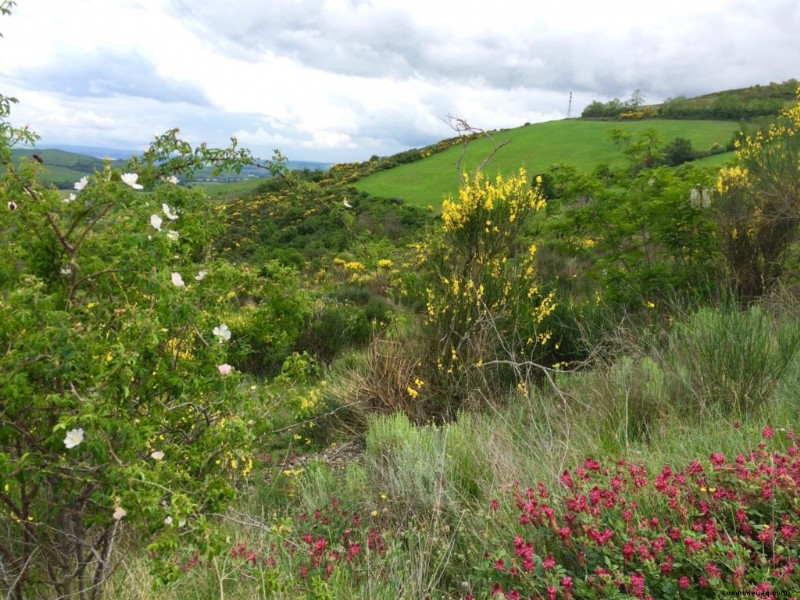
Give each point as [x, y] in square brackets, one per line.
[63, 168]
[579, 142]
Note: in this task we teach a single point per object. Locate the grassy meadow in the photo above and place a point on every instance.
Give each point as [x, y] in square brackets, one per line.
[581, 143]
[231, 189]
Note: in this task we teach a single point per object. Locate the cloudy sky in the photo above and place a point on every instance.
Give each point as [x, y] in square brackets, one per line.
[334, 80]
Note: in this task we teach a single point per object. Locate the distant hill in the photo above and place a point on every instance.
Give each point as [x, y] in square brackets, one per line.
[62, 168]
[67, 164]
[96, 151]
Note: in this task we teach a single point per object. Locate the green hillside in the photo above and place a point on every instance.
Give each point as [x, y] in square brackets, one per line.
[583, 143]
[61, 168]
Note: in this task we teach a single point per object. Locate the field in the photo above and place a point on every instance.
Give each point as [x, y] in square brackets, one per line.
[581, 143]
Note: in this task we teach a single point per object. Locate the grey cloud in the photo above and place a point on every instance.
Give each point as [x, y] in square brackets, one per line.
[106, 74]
[744, 45]
[396, 128]
[492, 77]
[733, 47]
[366, 41]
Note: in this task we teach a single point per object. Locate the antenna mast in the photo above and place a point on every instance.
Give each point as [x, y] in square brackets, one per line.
[569, 110]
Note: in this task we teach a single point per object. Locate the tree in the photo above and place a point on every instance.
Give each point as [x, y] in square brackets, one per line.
[642, 149]
[636, 99]
[678, 151]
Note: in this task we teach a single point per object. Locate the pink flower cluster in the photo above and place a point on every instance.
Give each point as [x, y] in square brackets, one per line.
[713, 526]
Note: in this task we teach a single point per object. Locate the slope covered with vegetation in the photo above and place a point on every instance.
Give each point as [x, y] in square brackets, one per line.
[581, 143]
[575, 381]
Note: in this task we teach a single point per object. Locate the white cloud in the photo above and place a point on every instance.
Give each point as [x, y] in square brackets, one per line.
[345, 79]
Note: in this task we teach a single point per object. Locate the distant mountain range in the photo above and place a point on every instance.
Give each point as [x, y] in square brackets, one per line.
[93, 151]
[66, 164]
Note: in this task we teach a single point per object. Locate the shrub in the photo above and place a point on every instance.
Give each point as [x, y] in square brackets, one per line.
[485, 322]
[119, 406]
[756, 204]
[388, 381]
[339, 325]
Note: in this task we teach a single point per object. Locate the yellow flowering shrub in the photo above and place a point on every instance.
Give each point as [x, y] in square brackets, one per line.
[485, 311]
[756, 203]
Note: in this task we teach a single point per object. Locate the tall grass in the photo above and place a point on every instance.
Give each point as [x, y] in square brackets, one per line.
[730, 358]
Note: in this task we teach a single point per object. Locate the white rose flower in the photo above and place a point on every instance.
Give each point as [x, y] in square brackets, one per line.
[130, 179]
[168, 212]
[74, 437]
[222, 332]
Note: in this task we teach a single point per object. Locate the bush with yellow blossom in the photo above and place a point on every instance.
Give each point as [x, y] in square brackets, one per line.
[757, 204]
[486, 310]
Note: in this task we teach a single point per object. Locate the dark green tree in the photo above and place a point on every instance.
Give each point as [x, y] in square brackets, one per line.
[678, 151]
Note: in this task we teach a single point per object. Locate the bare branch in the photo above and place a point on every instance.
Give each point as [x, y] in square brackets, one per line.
[467, 133]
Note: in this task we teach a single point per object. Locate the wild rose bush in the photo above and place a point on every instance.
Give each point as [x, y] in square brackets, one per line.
[120, 408]
[719, 525]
